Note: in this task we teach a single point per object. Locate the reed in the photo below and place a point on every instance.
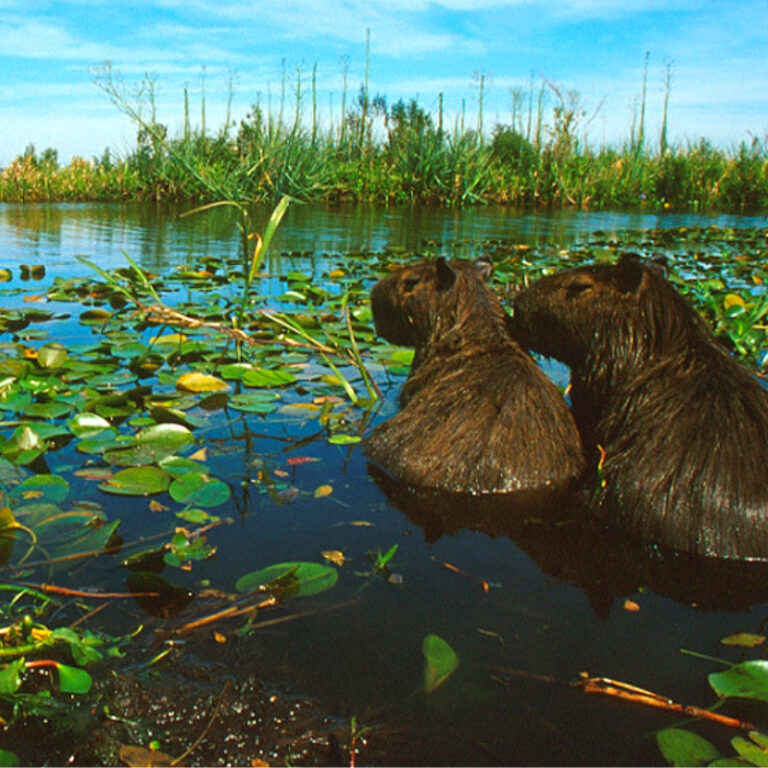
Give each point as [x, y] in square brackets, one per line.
[399, 153]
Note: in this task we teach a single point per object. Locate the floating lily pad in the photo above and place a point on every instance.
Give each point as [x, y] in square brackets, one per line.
[44, 488]
[137, 481]
[199, 489]
[253, 402]
[748, 680]
[200, 382]
[267, 378]
[299, 579]
[681, 747]
[440, 662]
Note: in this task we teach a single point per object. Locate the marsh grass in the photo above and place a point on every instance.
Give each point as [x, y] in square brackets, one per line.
[398, 153]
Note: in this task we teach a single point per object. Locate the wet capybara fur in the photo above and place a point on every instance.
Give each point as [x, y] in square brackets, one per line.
[683, 426]
[477, 415]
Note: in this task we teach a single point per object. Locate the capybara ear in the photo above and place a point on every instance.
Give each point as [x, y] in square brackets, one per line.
[628, 273]
[484, 267]
[446, 277]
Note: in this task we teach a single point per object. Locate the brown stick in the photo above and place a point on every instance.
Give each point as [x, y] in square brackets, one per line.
[54, 590]
[629, 692]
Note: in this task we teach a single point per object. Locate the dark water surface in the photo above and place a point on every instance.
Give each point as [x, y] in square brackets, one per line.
[556, 605]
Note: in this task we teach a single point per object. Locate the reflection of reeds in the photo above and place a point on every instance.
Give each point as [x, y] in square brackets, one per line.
[400, 153]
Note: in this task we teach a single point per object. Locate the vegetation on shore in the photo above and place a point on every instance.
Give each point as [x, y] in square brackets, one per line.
[399, 153]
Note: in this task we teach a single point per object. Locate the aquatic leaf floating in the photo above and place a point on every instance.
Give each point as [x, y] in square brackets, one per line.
[45, 488]
[299, 579]
[253, 402]
[681, 747]
[267, 378]
[744, 639]
[440, 662]
[199, 489]
[748, 680]
[137, 481]
[755, 752]
[87, 424]
[52, 355]
[196, 381]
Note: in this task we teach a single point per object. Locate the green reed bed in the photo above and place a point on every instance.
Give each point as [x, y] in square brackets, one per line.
[397, 153]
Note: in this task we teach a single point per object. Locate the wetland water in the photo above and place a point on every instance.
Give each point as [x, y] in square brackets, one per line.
[555, 603]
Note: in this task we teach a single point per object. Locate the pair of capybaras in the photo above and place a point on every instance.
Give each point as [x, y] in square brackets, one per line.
[666, 428]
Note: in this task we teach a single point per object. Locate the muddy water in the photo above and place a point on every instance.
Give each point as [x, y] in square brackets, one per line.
[556, 598]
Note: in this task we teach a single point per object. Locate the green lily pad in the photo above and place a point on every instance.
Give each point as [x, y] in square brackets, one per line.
[137, 481]
[52, 355]
[440, 662]
[748, 680]
[45, 488]
[199, 489]
[681, 747]
[267, 378]
[299, 579]
[253, 402]
[88, 424]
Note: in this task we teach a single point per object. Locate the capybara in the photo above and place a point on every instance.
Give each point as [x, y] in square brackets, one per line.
[678, 428]
[477, 415]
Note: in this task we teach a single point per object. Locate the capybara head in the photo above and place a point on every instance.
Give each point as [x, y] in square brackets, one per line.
[413, 304]
[626, 311]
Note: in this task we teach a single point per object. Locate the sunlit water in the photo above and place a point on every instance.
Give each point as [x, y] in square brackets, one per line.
[555, 606]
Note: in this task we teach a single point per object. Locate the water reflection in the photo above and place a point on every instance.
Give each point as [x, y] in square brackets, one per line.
[162, 237]
[569, 544]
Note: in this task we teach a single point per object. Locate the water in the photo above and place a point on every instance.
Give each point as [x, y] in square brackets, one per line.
[556, 603]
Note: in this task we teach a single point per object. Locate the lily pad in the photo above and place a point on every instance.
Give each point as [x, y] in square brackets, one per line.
[748, 680]
[267, 378]
[299, 579]
[200, 382]
[253, 402]
[199, 489]
[44, 488]
[440, 662]
[137, 481]
[681, 747]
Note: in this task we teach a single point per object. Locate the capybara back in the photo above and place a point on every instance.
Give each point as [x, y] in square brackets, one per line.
[477, 414]
[678, 429]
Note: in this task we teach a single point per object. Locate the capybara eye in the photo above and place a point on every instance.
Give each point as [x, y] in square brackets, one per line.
[574, 289]
[410, 283]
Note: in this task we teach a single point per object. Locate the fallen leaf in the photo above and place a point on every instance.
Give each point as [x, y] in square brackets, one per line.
[323, 490]
[156, 506]
[200, 455]
[219, 638]
[631, 605]
[334, 556]
[139, 757]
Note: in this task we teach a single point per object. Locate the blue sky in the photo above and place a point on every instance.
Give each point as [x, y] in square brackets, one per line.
[718, 53]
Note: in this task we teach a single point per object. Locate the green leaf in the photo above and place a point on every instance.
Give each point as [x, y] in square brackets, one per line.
[342, 439]
[748, 680]
[267, 378]
[681, 747]
[44, 488]
[199, 489]
[299, 579]
[9, 759]
[81, 652]
[137, 481]
[440, 662]
[51, 355]
[73, 679]
[751, 751]
[253, 402]
[87, 424]
[10, 676]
